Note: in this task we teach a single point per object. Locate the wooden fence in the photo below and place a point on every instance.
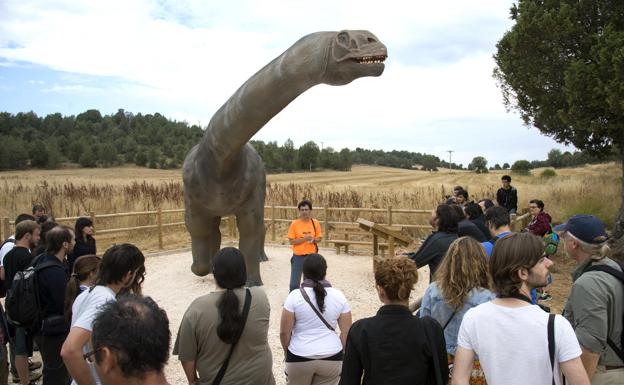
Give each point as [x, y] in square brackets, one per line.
[271, 221]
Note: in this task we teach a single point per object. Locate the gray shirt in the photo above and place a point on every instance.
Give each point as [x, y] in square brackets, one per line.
[595, 309]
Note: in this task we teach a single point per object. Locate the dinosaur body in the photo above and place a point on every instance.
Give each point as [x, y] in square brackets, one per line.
[223, 175]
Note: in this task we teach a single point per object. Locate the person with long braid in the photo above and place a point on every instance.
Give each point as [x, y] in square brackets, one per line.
[311, 346]
[216, 343]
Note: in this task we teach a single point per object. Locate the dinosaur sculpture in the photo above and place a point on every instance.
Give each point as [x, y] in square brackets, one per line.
[223, 174]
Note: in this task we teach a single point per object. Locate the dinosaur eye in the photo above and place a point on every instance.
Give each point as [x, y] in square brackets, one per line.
[371, 40]
[343, 38]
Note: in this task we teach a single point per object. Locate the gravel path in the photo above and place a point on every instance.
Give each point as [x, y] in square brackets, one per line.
[170, 282]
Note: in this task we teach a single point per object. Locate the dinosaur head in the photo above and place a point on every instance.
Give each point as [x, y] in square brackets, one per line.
[354, 54]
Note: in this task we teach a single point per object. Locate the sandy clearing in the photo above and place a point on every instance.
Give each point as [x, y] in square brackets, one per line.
[170, 282]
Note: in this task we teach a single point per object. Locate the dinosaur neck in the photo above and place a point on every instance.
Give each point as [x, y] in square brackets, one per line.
[262, 97]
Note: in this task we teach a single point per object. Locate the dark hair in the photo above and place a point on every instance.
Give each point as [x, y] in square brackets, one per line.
[230, 273]
[42, 219]
[25, 227]
[506, 177]
[315, 268]
[37, 207]
[56, 237]
[510, 254]
[487, 203]
[463, 193]
[457, 188]
[117, 261]
[473, 210]
[304, 202]
[23, 217]
[137, 331]
[497, 217]
[447, 218]
[45, 228]
[81, 223]
[83, 266]
[538, 202]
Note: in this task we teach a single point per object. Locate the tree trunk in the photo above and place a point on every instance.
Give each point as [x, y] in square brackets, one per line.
[617, 237]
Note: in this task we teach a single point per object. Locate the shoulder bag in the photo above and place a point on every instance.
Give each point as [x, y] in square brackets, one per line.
[318, 313]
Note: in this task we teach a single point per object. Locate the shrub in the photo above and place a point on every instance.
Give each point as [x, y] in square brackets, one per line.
[548, 173]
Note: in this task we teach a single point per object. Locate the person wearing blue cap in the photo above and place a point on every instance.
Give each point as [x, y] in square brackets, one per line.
[596, 304]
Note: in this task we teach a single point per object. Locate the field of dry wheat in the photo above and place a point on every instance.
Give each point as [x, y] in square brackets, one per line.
[74, 192]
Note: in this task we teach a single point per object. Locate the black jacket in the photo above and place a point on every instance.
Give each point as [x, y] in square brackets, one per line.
[508, 198]
[433, 250]
[480, 223]
[394, 347]
[467, 228]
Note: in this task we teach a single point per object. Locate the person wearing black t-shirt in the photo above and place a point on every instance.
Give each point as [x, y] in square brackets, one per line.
[18, 259]
[85, 243]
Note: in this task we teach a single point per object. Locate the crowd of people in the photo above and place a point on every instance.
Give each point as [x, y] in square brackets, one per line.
[478, 321]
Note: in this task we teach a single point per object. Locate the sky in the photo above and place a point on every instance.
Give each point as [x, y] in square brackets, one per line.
[185, 58]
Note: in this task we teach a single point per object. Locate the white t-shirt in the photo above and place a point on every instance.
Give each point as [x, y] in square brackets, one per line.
[512, 343]
[6, 248]
[311, 338]
[85, 308]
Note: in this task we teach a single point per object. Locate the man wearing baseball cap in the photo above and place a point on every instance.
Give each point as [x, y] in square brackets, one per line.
[596, 304]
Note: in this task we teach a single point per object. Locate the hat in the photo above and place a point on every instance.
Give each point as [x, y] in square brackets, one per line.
[585, 227]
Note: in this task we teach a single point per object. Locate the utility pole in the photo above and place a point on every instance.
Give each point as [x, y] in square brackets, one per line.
[450, 162]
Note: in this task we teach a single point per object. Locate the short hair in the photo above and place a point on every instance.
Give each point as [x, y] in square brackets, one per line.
[447, 218]
[25, 227]
[117, 261]
[506, 177]
[37, 207]
[487, 203]
[473, 210]
[510, 254]
[304, 202]
[539, 203]
[56, 237]
[457, 188]
[137, 331]
[497, 217]
[397, 276]
[23, 217]
[463, 193]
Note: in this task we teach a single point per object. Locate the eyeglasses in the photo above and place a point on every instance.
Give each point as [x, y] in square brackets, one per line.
[87, 356]
[533, 207]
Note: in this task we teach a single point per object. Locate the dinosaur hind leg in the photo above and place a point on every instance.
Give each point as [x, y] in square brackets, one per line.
[205, 242]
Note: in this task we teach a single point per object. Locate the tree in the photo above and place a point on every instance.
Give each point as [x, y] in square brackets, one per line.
[309, 156]
[429, 163]
[497, 166]
[505, 166]
[562, 67]
[555, 158]
[38, 154]
[521, 166]
[478, 164]
[346, 160]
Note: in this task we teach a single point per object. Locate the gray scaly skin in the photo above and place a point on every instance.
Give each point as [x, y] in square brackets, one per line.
[223, 174]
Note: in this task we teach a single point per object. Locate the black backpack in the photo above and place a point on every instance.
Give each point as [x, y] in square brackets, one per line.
[23, 304]
[2, 288]
[620, 276]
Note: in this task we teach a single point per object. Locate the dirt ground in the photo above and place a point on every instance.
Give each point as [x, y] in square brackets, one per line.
[170, 282]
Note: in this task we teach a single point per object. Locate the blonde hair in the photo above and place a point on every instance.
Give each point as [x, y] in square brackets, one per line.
[397, 276]
[463, 268]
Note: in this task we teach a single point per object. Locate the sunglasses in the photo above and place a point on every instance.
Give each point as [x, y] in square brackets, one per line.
[88, 355]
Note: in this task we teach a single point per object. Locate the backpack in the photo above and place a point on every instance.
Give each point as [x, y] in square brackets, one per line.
[23, 304]
[552, 242]
[620, 276]
[2, 288]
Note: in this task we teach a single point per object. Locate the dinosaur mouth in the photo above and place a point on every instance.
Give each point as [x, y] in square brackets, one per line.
[371, 59]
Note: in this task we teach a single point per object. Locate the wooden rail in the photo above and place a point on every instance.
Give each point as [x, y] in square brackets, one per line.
[6, 225]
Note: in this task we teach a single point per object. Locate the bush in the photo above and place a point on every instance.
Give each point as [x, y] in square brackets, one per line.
[548, 173]
[522, 167]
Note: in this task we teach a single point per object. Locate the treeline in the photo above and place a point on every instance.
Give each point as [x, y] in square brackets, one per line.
[90, 139]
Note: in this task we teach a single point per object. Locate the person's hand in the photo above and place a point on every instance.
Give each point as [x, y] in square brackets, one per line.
[308, 237]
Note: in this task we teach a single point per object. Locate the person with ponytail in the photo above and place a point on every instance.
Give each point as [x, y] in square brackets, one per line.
[311, 346]
[82, 278]
[216, 343]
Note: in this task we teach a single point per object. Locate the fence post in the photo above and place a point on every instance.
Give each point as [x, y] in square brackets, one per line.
[92, 216]
[273, 223]
[7, 227]
[160, 228]
[326, 227]
[389, 215]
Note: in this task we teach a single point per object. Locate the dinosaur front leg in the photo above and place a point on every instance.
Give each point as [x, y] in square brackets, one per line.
[250, 222]
[205, 242]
